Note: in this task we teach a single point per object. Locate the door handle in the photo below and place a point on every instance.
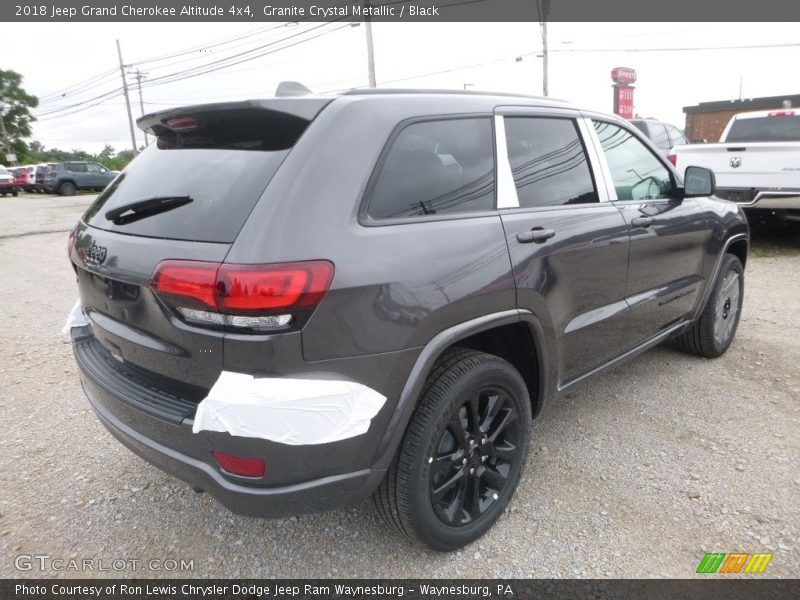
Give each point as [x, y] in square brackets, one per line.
[642, 221]
[537, 236]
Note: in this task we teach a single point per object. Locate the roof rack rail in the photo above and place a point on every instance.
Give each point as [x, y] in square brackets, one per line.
[387, 91]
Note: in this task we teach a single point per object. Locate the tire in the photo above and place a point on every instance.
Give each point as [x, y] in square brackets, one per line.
[67, 189]
[480, 460]
[15, 193]
[712, 334]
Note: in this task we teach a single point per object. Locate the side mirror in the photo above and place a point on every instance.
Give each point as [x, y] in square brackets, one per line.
[698, 181]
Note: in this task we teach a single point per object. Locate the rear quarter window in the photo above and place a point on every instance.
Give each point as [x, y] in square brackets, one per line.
[436, 167]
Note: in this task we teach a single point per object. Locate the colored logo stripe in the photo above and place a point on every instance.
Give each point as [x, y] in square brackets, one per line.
[758, 562]
[711, 562]
[735, 561]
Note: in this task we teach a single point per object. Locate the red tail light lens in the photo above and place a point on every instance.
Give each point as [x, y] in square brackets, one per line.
[241, 289]
[673, 158]
[187, 280]
[238, 465]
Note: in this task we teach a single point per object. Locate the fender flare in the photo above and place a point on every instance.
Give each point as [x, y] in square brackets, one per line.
[715, 273]
[407, 402]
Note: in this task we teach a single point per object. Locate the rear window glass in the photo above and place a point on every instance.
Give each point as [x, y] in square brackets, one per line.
[765, 129]
[436, 167]
[222, 166]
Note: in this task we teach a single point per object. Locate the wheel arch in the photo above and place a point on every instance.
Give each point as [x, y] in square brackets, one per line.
[739, 249]
[514, 335]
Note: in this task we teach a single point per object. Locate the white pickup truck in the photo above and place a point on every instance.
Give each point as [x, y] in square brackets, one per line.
[756, 163]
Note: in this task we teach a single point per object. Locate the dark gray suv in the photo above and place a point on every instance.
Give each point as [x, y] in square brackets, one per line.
[297, 303]
[68, 177]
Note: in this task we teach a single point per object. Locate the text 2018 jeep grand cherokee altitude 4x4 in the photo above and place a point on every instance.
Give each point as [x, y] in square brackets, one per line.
[296, 303]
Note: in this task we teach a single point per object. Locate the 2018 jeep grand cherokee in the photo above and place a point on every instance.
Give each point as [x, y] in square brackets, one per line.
[296, 303]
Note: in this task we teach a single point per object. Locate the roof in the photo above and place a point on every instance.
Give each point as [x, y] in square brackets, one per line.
[741, 105]
[425, 91]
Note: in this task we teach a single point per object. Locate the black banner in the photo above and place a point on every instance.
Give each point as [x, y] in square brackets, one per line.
[396, 10]
[566, 589]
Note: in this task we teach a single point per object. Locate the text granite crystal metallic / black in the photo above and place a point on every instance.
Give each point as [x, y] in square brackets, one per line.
[458, 258]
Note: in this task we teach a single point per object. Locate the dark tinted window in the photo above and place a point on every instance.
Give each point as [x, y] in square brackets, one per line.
[223, 164]
[436, 167]
[765, 129]
[637, 173]
[548, 162]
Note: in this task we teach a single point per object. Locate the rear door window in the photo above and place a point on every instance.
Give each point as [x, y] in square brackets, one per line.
[548, 162]
[221, 164]
[436, 167]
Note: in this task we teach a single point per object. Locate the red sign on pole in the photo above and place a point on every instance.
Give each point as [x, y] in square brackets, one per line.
[623, 101]
[623, 77]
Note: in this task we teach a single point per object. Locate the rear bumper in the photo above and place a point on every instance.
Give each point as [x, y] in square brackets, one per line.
[324, 476]
[327, 493]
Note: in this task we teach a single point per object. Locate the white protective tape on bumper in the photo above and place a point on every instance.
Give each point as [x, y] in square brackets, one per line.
[75, 318]
[289, 411]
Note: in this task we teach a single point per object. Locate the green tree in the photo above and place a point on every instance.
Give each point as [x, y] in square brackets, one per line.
[17, 105]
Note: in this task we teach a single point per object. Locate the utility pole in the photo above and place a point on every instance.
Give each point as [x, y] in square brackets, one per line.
[127, 99]
[3, 131]
[543, 12]
[139, 76]
[370, 48]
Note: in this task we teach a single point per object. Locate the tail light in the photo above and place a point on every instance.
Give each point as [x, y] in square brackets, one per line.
[243, 297]
[673, 158]
[781, 113]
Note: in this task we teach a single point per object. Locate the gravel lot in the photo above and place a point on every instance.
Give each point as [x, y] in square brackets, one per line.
[635, 474]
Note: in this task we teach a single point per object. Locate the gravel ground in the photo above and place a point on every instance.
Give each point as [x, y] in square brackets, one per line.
[635, 474]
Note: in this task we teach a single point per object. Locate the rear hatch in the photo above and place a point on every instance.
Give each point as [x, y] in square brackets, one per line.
[185, 198]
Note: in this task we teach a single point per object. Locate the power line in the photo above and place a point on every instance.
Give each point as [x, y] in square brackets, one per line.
[70, 89]
[204, 69]
[179, 76]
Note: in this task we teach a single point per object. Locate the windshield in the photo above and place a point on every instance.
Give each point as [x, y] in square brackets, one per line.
[765, 129]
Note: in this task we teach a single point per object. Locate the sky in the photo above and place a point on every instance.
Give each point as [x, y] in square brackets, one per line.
[672, 72]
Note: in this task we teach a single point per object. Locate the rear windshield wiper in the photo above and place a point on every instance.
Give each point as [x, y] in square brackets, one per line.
[134, 211]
